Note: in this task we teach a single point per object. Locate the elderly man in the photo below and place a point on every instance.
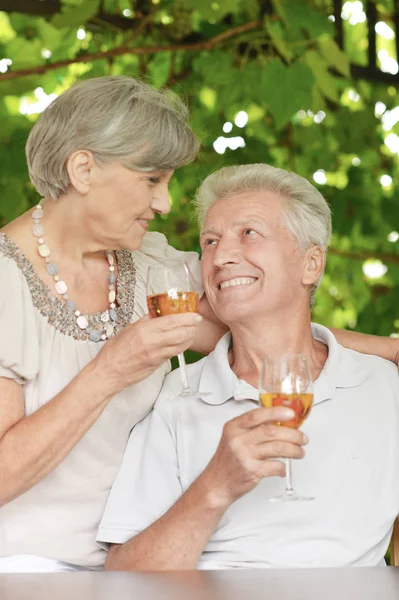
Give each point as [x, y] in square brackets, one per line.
[198, 473]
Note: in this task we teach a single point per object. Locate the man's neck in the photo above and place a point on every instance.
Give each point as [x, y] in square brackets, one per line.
[272, 337]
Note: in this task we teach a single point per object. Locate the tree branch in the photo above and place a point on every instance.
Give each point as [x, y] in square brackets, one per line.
[371, 12]
[374, 74]
[31, 7]
[338, 23]
[396, 23]
[122, 50]
[365, 255]
[50, 8]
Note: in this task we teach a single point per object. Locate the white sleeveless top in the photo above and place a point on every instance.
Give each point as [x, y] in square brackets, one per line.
[42, 348]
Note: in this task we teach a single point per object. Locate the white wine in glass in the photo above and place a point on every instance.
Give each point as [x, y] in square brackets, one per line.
[286, 381]
[171, 290]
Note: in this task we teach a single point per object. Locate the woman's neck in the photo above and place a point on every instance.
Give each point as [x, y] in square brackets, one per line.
[67, 233]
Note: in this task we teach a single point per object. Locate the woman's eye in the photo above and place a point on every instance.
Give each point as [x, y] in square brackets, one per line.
[209, 242]
[249, 231]
[154, 180]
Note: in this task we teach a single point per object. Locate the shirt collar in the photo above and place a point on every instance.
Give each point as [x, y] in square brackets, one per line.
[343, 368]
[218, 383]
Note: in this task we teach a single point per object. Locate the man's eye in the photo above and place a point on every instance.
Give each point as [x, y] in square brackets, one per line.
[209, 242]
[249, 231]
[154, 180]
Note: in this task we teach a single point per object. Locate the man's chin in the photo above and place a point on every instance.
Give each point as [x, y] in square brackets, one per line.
[233, 314]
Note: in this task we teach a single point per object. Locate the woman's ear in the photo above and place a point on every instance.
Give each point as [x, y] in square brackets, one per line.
[80, 167]
[314, 263]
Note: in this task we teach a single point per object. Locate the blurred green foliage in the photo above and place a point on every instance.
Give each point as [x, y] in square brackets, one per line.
[276, 61]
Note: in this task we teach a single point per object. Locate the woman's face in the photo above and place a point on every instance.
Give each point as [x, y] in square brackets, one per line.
[122, 202]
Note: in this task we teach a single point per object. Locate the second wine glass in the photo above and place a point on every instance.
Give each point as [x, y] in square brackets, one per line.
[171, 290]
[286, 381]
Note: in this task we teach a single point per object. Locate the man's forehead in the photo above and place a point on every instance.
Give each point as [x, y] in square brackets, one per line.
[255, 206]
[248, 220]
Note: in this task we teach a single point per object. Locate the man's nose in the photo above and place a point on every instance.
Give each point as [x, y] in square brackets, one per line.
[226, 253]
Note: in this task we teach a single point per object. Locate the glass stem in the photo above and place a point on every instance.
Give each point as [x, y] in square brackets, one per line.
[289, 490]
[183, 373]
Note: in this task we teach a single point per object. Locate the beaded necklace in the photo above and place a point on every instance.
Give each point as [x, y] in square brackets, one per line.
[108, 317]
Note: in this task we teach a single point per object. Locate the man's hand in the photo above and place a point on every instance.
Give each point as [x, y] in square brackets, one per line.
[249, 451]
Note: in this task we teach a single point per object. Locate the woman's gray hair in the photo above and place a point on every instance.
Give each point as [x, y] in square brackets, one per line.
[307, 214]
[117, 119]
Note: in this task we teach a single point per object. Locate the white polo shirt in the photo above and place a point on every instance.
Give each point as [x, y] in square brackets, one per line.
[351, 467]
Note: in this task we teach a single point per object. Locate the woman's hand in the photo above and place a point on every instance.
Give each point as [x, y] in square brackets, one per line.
[142, 347]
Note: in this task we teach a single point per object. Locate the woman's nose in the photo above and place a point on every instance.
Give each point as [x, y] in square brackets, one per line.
[161, 201]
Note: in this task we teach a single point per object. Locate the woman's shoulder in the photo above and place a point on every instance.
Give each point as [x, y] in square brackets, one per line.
[156, 245]
[13, 265]
[17, 279]
[18, 343]
[155, 249]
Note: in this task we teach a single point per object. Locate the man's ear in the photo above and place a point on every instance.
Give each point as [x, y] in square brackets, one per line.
[80, 167]
[314, 263]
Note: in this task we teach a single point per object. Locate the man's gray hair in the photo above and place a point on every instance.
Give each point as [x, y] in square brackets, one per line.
[307, 214]
[117, 119]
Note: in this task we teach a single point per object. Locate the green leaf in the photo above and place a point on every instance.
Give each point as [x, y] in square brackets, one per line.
[18, 87]
[6, 31]
[52, 38]
[280, 9]
[13, 201]
[251, 8]
[293, 92]
[24, 53]
[325, 82]
[75, 16]
[275, 30]
[216, 68]
[72, 3]
[298, 14]
[158, 69]
[318, 102]
[208, 97]
[334, 56]
[214, 11]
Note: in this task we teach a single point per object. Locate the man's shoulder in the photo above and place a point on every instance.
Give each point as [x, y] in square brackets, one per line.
[375, 366]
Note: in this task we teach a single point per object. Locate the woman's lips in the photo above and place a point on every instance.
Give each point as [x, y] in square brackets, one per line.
[143, 223]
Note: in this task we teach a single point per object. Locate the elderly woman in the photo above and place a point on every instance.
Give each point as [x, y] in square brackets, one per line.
[80, 362]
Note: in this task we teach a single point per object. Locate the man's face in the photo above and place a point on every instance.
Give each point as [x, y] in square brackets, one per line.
[251, 263]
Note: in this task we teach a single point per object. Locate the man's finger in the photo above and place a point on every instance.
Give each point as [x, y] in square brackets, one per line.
[279, 449]
[269, 431]
[258, 416]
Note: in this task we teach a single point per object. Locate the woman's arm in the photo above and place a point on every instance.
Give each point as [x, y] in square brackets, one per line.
[33, 446]
[385, 347]
[211, 330]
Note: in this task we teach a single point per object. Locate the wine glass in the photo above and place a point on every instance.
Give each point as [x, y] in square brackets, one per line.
[171, 290]
[286, 381]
